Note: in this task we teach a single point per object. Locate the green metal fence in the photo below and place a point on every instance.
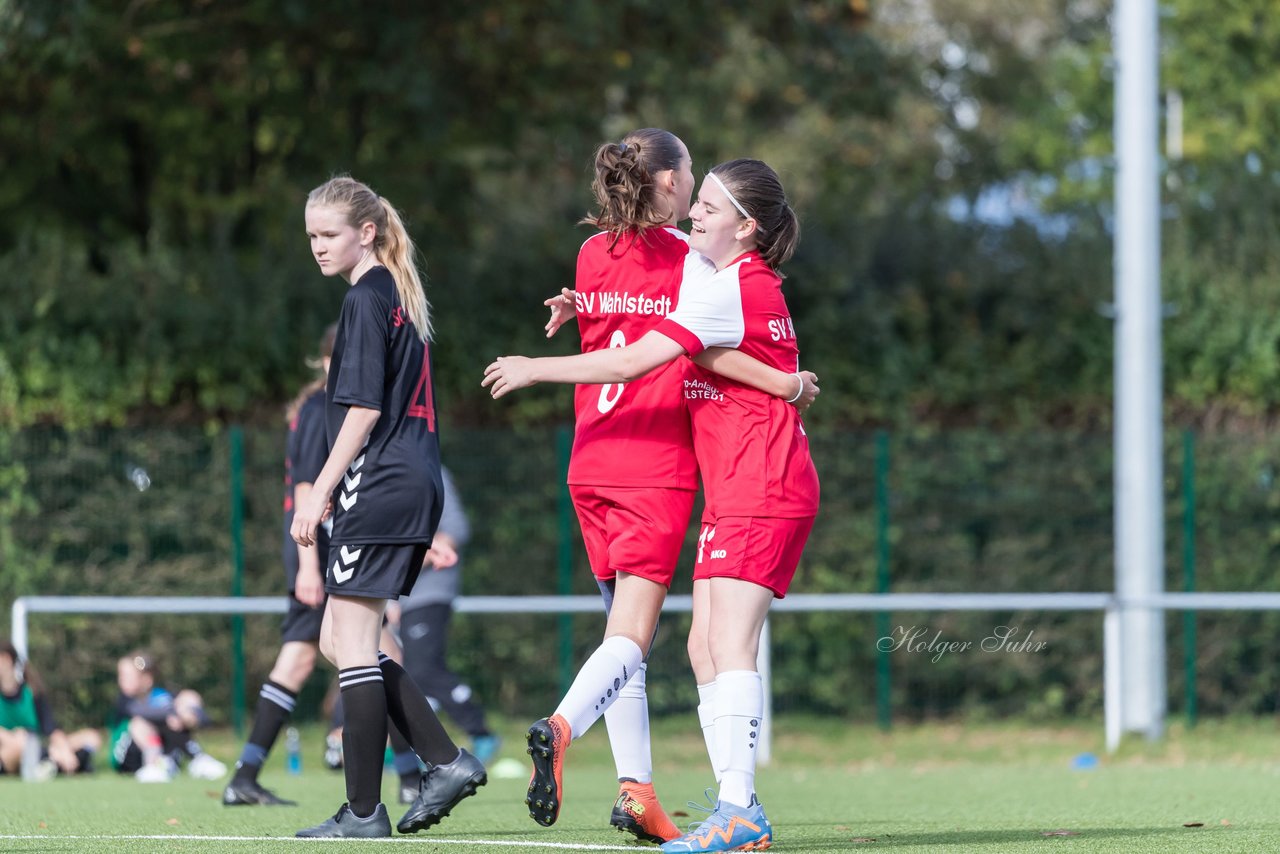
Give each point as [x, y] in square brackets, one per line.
[197, 512]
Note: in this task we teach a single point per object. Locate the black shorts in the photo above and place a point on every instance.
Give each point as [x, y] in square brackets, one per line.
[376, 571]
[126, 757]
[301, 623]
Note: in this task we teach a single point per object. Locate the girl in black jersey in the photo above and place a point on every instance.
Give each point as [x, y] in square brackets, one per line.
[382, 484]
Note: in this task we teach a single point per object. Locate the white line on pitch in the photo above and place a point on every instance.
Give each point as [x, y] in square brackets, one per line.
[508, 843]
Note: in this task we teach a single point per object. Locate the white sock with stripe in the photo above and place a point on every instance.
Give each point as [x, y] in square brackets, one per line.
[739, 712]
[707, 720]
[598, 683]
[628, 723]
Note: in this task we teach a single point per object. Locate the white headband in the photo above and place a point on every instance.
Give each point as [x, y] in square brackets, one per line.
[721, 185]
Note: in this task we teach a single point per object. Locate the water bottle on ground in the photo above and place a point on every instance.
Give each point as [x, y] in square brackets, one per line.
[293, 751]
[34, 768]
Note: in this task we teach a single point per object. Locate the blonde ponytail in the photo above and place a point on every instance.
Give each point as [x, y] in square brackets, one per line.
[392, 245]
[395, 249]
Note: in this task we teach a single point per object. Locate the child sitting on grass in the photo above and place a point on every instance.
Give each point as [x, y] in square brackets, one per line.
[154, 729]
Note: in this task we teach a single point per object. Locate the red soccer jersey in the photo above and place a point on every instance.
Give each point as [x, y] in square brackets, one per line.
[751, 447]
[632, 434]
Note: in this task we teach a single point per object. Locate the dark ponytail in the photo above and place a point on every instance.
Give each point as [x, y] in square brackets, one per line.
[759, 190]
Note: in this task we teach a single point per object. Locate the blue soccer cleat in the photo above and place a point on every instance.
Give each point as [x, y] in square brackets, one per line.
[729, 828]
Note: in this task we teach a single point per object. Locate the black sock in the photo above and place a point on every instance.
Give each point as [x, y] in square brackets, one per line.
[399, 744]
[402, 753]
[275, 704]
[413, 715]
[336, 715]
[364, 736]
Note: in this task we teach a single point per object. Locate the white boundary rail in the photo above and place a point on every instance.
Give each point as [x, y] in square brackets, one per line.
[1110, 606]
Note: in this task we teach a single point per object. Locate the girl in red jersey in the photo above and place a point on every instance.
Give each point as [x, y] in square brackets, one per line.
[761, 486]
[382, 482]
[632, 475]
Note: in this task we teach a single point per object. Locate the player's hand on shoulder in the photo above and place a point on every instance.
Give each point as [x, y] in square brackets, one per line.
[508, 373]
[563, 309]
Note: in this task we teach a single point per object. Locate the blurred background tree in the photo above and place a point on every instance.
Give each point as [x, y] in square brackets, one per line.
[950, 163]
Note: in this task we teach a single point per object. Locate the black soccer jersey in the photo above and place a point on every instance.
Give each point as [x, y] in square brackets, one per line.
[391, 493]
[306, 452]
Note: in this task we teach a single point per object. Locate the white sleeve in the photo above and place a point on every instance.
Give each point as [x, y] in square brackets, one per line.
[710, 303]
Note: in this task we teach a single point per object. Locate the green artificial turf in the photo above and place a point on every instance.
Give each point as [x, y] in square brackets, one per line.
[830, 787]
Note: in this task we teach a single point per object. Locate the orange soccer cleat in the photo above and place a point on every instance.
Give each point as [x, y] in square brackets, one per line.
[548, 739]
[638, 812]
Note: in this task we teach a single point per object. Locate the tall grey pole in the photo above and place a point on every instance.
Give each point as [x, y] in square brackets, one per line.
[1139, 495]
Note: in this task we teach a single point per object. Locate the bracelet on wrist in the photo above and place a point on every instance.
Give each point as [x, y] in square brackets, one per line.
[801, 391]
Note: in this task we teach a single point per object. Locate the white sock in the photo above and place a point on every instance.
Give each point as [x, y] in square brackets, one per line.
[739, 712]
[628, 723]
[707, 719]
[598, 682]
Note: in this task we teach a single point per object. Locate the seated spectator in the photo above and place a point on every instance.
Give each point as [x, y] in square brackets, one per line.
[154, 730]
[31, 742]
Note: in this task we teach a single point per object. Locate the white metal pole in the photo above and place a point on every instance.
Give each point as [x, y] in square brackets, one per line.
[18, 626]
[1113, 724]
[1139, 494]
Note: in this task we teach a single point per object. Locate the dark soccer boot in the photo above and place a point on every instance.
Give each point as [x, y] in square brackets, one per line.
[345, 825]
[240, 793]
[442, 787]
[548, 739]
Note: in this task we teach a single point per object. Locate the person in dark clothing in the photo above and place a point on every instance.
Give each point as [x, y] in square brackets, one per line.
[424, 625]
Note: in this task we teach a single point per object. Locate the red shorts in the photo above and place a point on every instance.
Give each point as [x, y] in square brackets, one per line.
[764, 550]
[638, 530]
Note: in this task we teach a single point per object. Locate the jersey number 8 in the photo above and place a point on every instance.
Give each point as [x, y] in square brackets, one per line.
[609, 398]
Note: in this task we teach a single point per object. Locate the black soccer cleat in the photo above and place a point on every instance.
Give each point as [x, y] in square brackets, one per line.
[346, 825]
[442, 787]
[248, 793]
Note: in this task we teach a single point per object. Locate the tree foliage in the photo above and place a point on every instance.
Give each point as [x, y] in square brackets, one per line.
[950, 163]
